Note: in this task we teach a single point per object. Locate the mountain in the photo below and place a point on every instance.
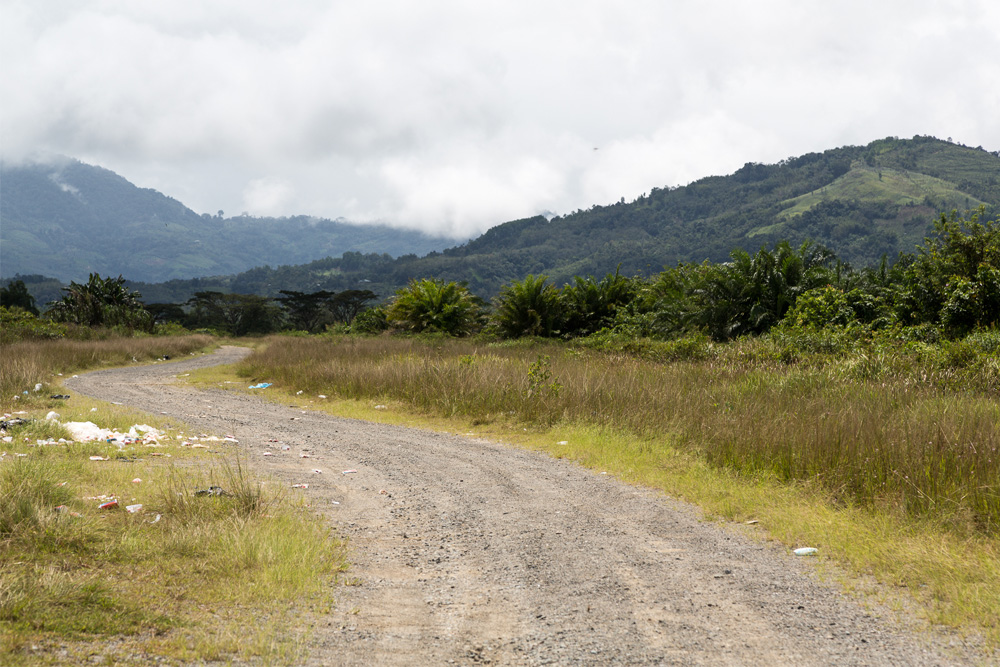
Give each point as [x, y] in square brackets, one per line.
[862, 202]
[66, 219]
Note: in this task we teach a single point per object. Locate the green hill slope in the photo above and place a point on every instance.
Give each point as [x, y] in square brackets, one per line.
[67, 219]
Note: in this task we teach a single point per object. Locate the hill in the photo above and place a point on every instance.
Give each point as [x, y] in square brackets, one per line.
[66, 219]
[863, 202]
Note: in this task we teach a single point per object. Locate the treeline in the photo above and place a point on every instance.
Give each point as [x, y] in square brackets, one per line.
[950, 286]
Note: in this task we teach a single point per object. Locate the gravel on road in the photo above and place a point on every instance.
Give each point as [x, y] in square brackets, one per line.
[471, 552]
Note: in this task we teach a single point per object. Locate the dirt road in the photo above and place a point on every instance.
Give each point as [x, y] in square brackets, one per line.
[470, 552]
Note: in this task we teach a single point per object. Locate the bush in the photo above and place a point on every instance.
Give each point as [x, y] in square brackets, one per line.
[17, 324]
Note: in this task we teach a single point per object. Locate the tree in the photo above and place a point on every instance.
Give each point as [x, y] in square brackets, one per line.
[955, 278]
[532, 307]
[101, 302]
[590, 305]
[238, 314]
[435, 306]
[752, 293]
[306, 312]
[346, 305]
[16, 295]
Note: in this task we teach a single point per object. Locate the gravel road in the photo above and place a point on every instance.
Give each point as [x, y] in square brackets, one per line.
[470, 552]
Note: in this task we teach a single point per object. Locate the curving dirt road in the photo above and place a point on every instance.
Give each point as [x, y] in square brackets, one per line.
[470, 552]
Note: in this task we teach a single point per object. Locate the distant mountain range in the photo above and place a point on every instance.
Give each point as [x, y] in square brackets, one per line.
[66, 219]
[862, 202]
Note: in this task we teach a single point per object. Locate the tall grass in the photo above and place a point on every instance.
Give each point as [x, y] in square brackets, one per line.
[875, 425]
[25, 364]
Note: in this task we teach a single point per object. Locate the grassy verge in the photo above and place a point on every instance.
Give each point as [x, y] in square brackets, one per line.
[187, 577]
[887, 475]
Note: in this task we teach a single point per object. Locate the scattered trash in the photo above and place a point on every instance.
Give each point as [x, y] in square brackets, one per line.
[268, 453]
[334, 502]
[383, 492]
[298, 392]
[317, 471]
[563, 442]
[52, 416]
[380, 407]
[136, 480]
[806, 551]
[38, 387]
[285, 448]
[61, 508]
[262, 385]
[109, 505]
[156, 519]
[322, 395]
[752, 522]
[99, 458]
[17, 421]
[60, 397]
[304, 455]
[300, 486]
[349, 472]
[211, 491]
[132, 509]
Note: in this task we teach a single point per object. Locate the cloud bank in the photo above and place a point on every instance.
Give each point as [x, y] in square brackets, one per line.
[455, 116]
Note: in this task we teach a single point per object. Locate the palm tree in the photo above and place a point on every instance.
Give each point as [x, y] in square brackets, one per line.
[532, 307]
[101, 302]
[435, 306]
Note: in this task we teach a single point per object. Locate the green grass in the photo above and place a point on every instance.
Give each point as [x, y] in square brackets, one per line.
[883, 454]
[863, 183]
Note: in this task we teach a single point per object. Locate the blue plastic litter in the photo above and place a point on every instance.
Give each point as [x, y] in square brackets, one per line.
[262, 385]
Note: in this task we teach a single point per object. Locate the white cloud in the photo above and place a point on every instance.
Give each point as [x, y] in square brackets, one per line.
[455, 116]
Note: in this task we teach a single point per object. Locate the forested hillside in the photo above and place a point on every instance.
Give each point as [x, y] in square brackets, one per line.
[862, 202]
[67, 219]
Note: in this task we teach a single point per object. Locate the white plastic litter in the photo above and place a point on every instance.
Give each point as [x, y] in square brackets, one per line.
[806, 551]
[52, 416]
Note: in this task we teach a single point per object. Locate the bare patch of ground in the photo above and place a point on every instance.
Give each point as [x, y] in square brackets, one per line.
[471, 552]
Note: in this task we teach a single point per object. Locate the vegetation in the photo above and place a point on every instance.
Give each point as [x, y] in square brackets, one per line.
[16, 295]
[432, 306]
[102, 302]
[872, 434]
[185, 577]
[865, 202]
[57, 217]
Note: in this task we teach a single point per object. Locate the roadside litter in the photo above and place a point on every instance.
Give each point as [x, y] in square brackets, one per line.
[806, 551]
[109, 505]
[60, 397]
[300, 486]
[262, 385]
[211, 491]
[349, 472]
[132, 509]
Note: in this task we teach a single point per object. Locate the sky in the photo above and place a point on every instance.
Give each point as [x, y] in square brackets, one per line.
[453, 117]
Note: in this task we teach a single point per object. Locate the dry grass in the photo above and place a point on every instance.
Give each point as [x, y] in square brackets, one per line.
[28, 363]
[927, 450]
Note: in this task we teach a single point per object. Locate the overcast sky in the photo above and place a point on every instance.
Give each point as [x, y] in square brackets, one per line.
[456, 116]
